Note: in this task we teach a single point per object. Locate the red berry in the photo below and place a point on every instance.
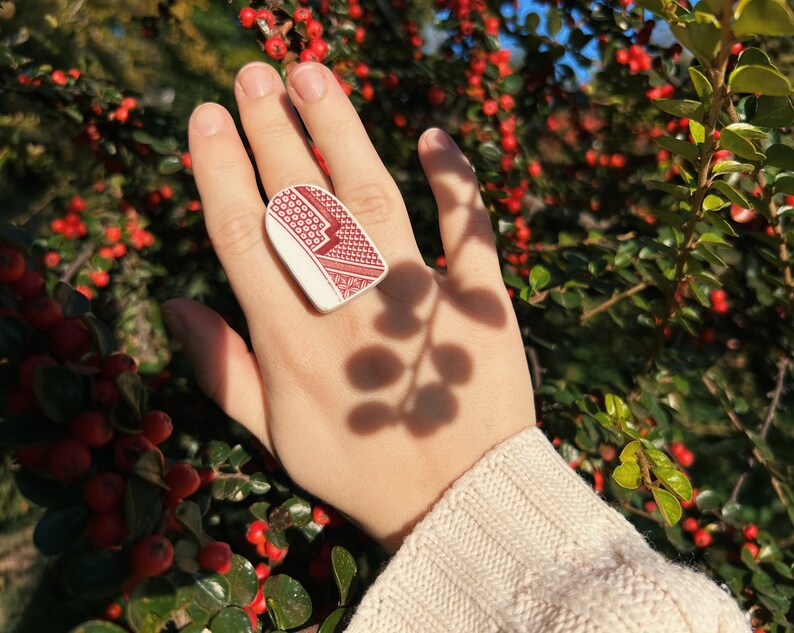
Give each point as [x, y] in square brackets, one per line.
[247, 17]
[690, 524]
[59, 77]
[104, 492]
[113, 611]
[302, 14]
[76, 205]
[255, 533]
[355, 11]
[52, 259]
[275, 553]
[750, 531]
[92, 428]
[128, 449]
[29, 285]
[319, 516]
[28, 367]
[207, 476]
[319, 46]
[69, 459]
[314, 29]
[43, 312]
[33, 456]
[70, 338]
[262, 572]
[702, 538]
[117, 364]
[183, 480]
[276, 47]
[157, 426]
[535, 169]
[436, 96]
[509, 143]
[267, 17]
[258, 604]
[216, 556]
[152, 556]
[100, 278]
[105, 391]
[108, 529]
[751, 547]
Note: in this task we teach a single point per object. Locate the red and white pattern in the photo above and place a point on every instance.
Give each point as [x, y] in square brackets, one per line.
[332, 238]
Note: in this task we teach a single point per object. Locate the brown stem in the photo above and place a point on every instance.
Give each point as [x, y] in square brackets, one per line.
[720, 95]
[641, 513]
[82, 257]
[605, 305]
[737, 423]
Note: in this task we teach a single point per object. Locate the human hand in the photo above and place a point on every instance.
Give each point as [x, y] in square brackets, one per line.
[378, 407]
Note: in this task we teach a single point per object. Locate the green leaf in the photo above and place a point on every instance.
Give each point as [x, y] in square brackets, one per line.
[170, 165]
[288, 604]
[780, 156]
[74, 303]
[702, 36]
[628, 475]
[300, 511]
[333, 622]
[733, 194]
[658, 458]
[732, 167]
[680, 107]
[749, 132]
[98, 626]
[259, 484]
[152, 597]
[629, 452]
[703, 86]
[60, 530]
[679, 147]
[774, 112]
[218, 452]
[616, 408]
[345, 573]
[211, 592]
[697, 131]
[260, 510]
[759, 80]
[149, 467]
[675, 481]
[100, 334]
[231, 620]
[714, 203]
[238, 457]
[60, 393]
[539, 278]
[142, 507]
[763, 17]
[511, 84]
[489, 151]
[243, 583]
[188, 514]
[133, 391]
[185, 554]
[785, 184]
[712, 238]
[739, 145]
[708, 500]
[754, 56]
[668, 505]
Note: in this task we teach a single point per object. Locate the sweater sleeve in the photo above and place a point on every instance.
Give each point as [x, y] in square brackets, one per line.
[521, 543]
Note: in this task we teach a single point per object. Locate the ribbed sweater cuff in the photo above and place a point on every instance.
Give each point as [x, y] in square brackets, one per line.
[521, 543]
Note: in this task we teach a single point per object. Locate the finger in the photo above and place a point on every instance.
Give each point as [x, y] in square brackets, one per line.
[274, 131]
[234, 213]
[360, 179]
[465, 225]
[225, 370]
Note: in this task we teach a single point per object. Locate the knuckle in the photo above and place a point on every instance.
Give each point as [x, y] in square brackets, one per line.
[238, 230]
[372, 203]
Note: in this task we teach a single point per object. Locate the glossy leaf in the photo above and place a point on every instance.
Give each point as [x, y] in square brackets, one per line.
[212, 592]
[739, 145]
[733, 194]
[675, 481]
[60, 530]
[780, 156]
[154, 599]
[680, 107]
[243, 583]
[231, 620]
[629, 452]
[668, 505]
[702, 85]
[539, 278]
[773, 112]
[345, 573]
[132, 391]
[759, 80]
[628, 475]
[74, 303]
[679, 147]
[732, 167]
[142, 507]
[288, 603]
[60, 392]
[763, 17]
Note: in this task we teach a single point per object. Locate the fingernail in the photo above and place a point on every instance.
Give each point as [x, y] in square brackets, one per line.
[438, 140]
[309, 82]
[208, 119]
[176, 324]
[255, 81]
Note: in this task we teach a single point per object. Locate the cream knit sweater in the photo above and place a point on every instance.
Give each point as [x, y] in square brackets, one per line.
[521, 543]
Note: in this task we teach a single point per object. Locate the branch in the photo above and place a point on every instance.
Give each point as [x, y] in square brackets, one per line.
[605, 305]
[82, 257]
[641, 513]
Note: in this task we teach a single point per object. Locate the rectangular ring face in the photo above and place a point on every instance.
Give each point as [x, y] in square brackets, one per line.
[324, 247]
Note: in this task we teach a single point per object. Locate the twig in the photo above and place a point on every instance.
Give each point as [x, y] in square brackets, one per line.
[82, 257]
[534, 366]
[605, 305]
[641, 513]
[42, 204]
[782, 366]
[776, 484]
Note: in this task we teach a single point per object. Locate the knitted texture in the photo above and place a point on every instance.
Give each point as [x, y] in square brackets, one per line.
[521, 543]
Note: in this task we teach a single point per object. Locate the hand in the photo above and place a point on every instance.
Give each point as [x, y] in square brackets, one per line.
[380, 406]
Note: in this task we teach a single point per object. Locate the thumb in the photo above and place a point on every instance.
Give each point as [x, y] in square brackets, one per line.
[225, 370]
